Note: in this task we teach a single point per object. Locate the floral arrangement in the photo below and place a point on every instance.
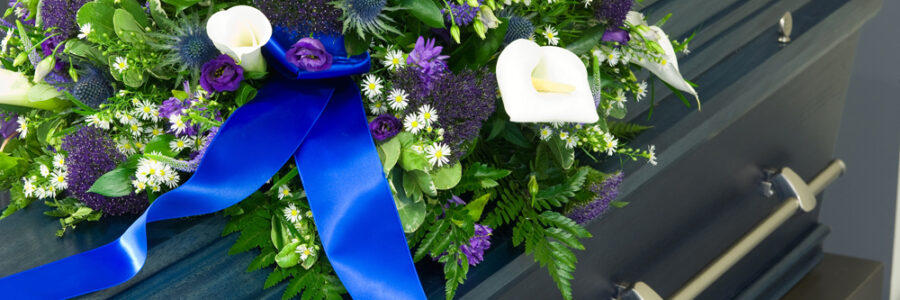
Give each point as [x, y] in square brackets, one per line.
[478, 109]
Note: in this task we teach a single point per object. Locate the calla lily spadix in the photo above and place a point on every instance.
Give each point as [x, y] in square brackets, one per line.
[240, 32]
[667, 68]
[544, 84]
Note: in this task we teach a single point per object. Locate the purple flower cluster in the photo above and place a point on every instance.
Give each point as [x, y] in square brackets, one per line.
[20, 10]
[304, 17]
[605, 192]
[176, 107]
[426, 58]
[90, 155]
[221, 74]
[8, 124]
[463, 101]
[385, 126]
[612, 12]
[474, 251]
[463, 14]
[60, 14]
[617, 35]
[309, 54]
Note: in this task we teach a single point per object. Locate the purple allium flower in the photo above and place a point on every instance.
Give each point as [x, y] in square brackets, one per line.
[91, 153]
[617, 35]
[385, 126]
[463, 102]
[612, 12]
[8, 124]
[605, 192]
[221, 74]
[303, 17]
[60, 14]
[463, 14]
[309, 54]
[474, 251]
[409, 79]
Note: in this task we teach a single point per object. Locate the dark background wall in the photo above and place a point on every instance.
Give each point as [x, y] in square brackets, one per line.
[861, 206]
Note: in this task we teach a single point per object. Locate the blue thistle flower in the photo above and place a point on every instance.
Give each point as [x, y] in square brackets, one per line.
[93, 87]
[365, 17]
[188, 47]
[91, 153]
[519, 28]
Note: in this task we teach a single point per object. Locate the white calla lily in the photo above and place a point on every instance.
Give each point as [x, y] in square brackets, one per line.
[15, 88]
[666, 68]
[240, 32]
[544, 84]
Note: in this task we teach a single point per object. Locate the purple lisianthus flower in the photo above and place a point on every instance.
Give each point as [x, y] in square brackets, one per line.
[309, 54]
[8, 124]
[385, 126]
[474, 251]
[221, 74]
[616, 35]
[605, 192]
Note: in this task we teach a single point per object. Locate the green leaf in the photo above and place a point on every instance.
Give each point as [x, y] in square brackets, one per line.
[84, 50]
[424, 10]
[617, 112]
[133, 77]
[127, 28]
[265, 259]
[137, 11]
[245, 94]
[478, 52]
[115, 183]
[251, 237]
[412, 160]
[447, 177]
[279, 233]
[160, 144]
[589, 38]
[619, 204]
[564, 156]
[436, 230]
[159, 14]
[476, 207]
[100, 15]
[278, 275]
[288, 256]
[181, 4]
[355, 45]
[42, 92]
[625, 130]
[8, 162]
[424, 181]
[513, 134]
[412, 211]
[391, 151]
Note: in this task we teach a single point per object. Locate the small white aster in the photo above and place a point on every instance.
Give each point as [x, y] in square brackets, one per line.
[59, 161]
[58, 181]
[45, 171]
[177, 124]
[620, 99]
[126, 119]
[84, 31]
[121, 64]
[652, 155]
[145, 110]
[563, 135]
[305, 251]
[546, 133]
[126, 147]
[413, 123]
[28, 187]
[156, 131]
[641, 91]
[97, 122]
[136, 129]
[292, 214]
[23, 127]
[437, 154]
[571, 142]
[283, 191]
[398, 99]
[610, 143]
[394, 60]
[552, 35]
[179, 144]
[371, 86]
[378, 107]
[4, 45]
[612, 57]
[428, 114]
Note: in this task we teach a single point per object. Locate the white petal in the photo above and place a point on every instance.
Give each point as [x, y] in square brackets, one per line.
[668, 72]
[635, 18]
[240, 32]
[14, 88]
[524, 59]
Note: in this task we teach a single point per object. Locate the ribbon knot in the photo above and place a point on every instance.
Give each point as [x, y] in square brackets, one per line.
[318, 119]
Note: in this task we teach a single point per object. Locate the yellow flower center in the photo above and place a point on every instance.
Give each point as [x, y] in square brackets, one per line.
[414, 124]
[146, 109]
[372, 86]
[550, 35]
[438, 153]
[60, 179]
[294, 213]
[426, 115]
[179, 144]
[378, 105]
[398, 99]
[396, 61]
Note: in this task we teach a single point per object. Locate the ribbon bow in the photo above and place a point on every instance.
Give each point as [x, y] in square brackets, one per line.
[319, 119]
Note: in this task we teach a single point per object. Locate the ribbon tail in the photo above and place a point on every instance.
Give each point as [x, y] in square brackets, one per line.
[254, 143]
[352, 204]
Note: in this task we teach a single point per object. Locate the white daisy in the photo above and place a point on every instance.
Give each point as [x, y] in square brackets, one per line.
[612, 57]
[378, 107]
[45, 171]
[372, 86]
[126, 119]
[156, 131]
[28, 187]
[59, 180]
[292, 214]
[121, 64]
[309, 214]
[437, 154]
[641, 91]
[571, 142]
[563, 135]
[177, 124]
[179, 144]
[59, 161]
[394, 60]
[283, 191]
[652, 153]
[397, 99]
[413, 123]
[546, 133]
[587, 3]
[23, 127]
[305, 251]
[620, 99]
[170, 177]
[610, 143]
[145, 110]
[125, 147]
[552, 35]
[136, 129]
[84, 31]
[428, 114]
[138, 185]
[419, 148]
[4, 45]
[95, 121]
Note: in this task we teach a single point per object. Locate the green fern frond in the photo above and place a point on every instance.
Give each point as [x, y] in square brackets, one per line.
[626, 131]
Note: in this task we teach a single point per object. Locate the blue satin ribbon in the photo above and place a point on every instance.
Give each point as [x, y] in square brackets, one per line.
[321, 122]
